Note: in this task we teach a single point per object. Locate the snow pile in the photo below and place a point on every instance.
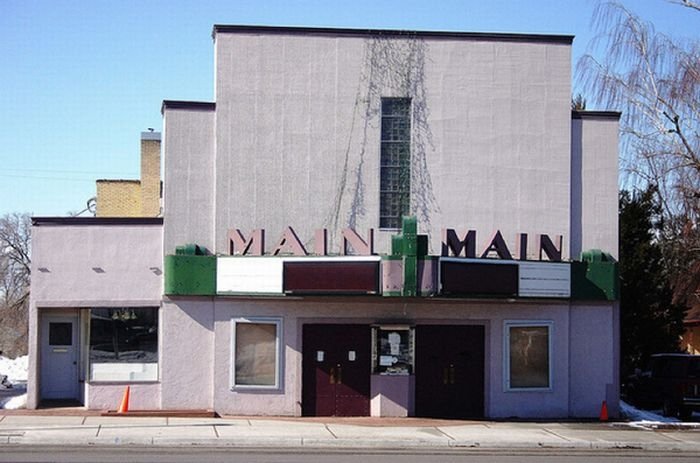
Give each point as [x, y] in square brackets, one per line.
[644, 417]
[16, 371]
[14, 402]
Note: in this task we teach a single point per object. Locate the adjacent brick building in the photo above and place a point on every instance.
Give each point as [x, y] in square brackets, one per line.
[134, 198]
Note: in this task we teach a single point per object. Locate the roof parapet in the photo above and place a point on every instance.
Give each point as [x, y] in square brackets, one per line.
[188, 105]
[392, 33]
[579, 114]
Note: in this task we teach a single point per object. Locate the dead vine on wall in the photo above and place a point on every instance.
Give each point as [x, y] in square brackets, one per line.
[391, 68]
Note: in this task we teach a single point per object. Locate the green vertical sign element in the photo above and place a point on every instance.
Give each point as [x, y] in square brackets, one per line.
[409, 231]
[409, 246]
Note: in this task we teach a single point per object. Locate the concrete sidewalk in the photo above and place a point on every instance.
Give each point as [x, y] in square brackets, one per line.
[90, 430]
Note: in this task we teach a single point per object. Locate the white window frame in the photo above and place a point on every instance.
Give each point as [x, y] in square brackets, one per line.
[88, 373]
[278, 349]
[507, 325]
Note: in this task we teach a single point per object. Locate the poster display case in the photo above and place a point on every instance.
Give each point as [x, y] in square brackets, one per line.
[393, 349]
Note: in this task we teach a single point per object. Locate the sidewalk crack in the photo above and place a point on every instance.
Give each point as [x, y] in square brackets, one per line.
[83, 422]
[329, 430]
[555, 434]
[672, 438]
[444, 433]
[216, 431]
[99, 428]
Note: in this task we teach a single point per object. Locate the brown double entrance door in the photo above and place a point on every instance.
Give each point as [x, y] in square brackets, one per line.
[449, 370]
[336, 370]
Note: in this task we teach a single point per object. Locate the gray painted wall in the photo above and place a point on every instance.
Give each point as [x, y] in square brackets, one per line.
[297, 136]
[187, 362]
[594, 185]
[97, 265]
[188, 199]
[593, 370]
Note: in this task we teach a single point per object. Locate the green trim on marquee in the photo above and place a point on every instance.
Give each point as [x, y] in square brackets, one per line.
[596, 277]
[190, 275]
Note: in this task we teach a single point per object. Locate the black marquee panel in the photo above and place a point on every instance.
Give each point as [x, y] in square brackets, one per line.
[472, 278]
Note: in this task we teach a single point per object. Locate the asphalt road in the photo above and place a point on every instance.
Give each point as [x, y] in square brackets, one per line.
[175, 454]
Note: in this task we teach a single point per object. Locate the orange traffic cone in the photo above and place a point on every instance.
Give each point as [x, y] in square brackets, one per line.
[124, 407]
[604, 412]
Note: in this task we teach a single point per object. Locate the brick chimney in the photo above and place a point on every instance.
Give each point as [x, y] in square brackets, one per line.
[150, 174]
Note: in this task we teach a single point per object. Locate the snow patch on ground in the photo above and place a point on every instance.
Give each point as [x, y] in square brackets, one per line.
[645, 419]
[634, 414]
[15, 402]
[13, 394]
[14, 369]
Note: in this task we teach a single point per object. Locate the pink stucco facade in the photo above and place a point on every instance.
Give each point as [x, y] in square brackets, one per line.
[494, 147]
[391, 396]
[79, 264]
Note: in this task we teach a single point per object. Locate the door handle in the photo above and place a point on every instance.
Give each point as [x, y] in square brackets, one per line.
[445, 375]
[331, 378]
[452, 374]
[339, 378]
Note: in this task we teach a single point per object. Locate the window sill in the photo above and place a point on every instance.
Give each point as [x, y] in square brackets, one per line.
[529, 389]
[121, 382]
[257, 389]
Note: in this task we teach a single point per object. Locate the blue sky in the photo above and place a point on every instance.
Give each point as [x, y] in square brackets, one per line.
[79, 80]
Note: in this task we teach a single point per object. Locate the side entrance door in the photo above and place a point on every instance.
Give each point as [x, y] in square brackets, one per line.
[336, 370]
[59, 357]
[450, 371]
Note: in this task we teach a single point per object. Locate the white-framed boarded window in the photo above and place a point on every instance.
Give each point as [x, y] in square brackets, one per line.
[528, 355]
[255, 352]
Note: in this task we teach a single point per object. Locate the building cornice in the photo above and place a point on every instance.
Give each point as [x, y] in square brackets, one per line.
[613, 115]
[391, 33]
[86, 221]
[187, 105]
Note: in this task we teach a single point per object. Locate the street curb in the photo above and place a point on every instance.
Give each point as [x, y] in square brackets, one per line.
[17, 440]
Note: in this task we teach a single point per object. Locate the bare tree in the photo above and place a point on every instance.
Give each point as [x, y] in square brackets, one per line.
[578, 103]
[687, 3]
[655, 81]
[15, 235]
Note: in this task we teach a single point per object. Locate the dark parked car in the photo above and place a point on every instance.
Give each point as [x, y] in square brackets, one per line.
[671, 383]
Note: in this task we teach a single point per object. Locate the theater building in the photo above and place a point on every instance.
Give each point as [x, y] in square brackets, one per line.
[362, 222]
